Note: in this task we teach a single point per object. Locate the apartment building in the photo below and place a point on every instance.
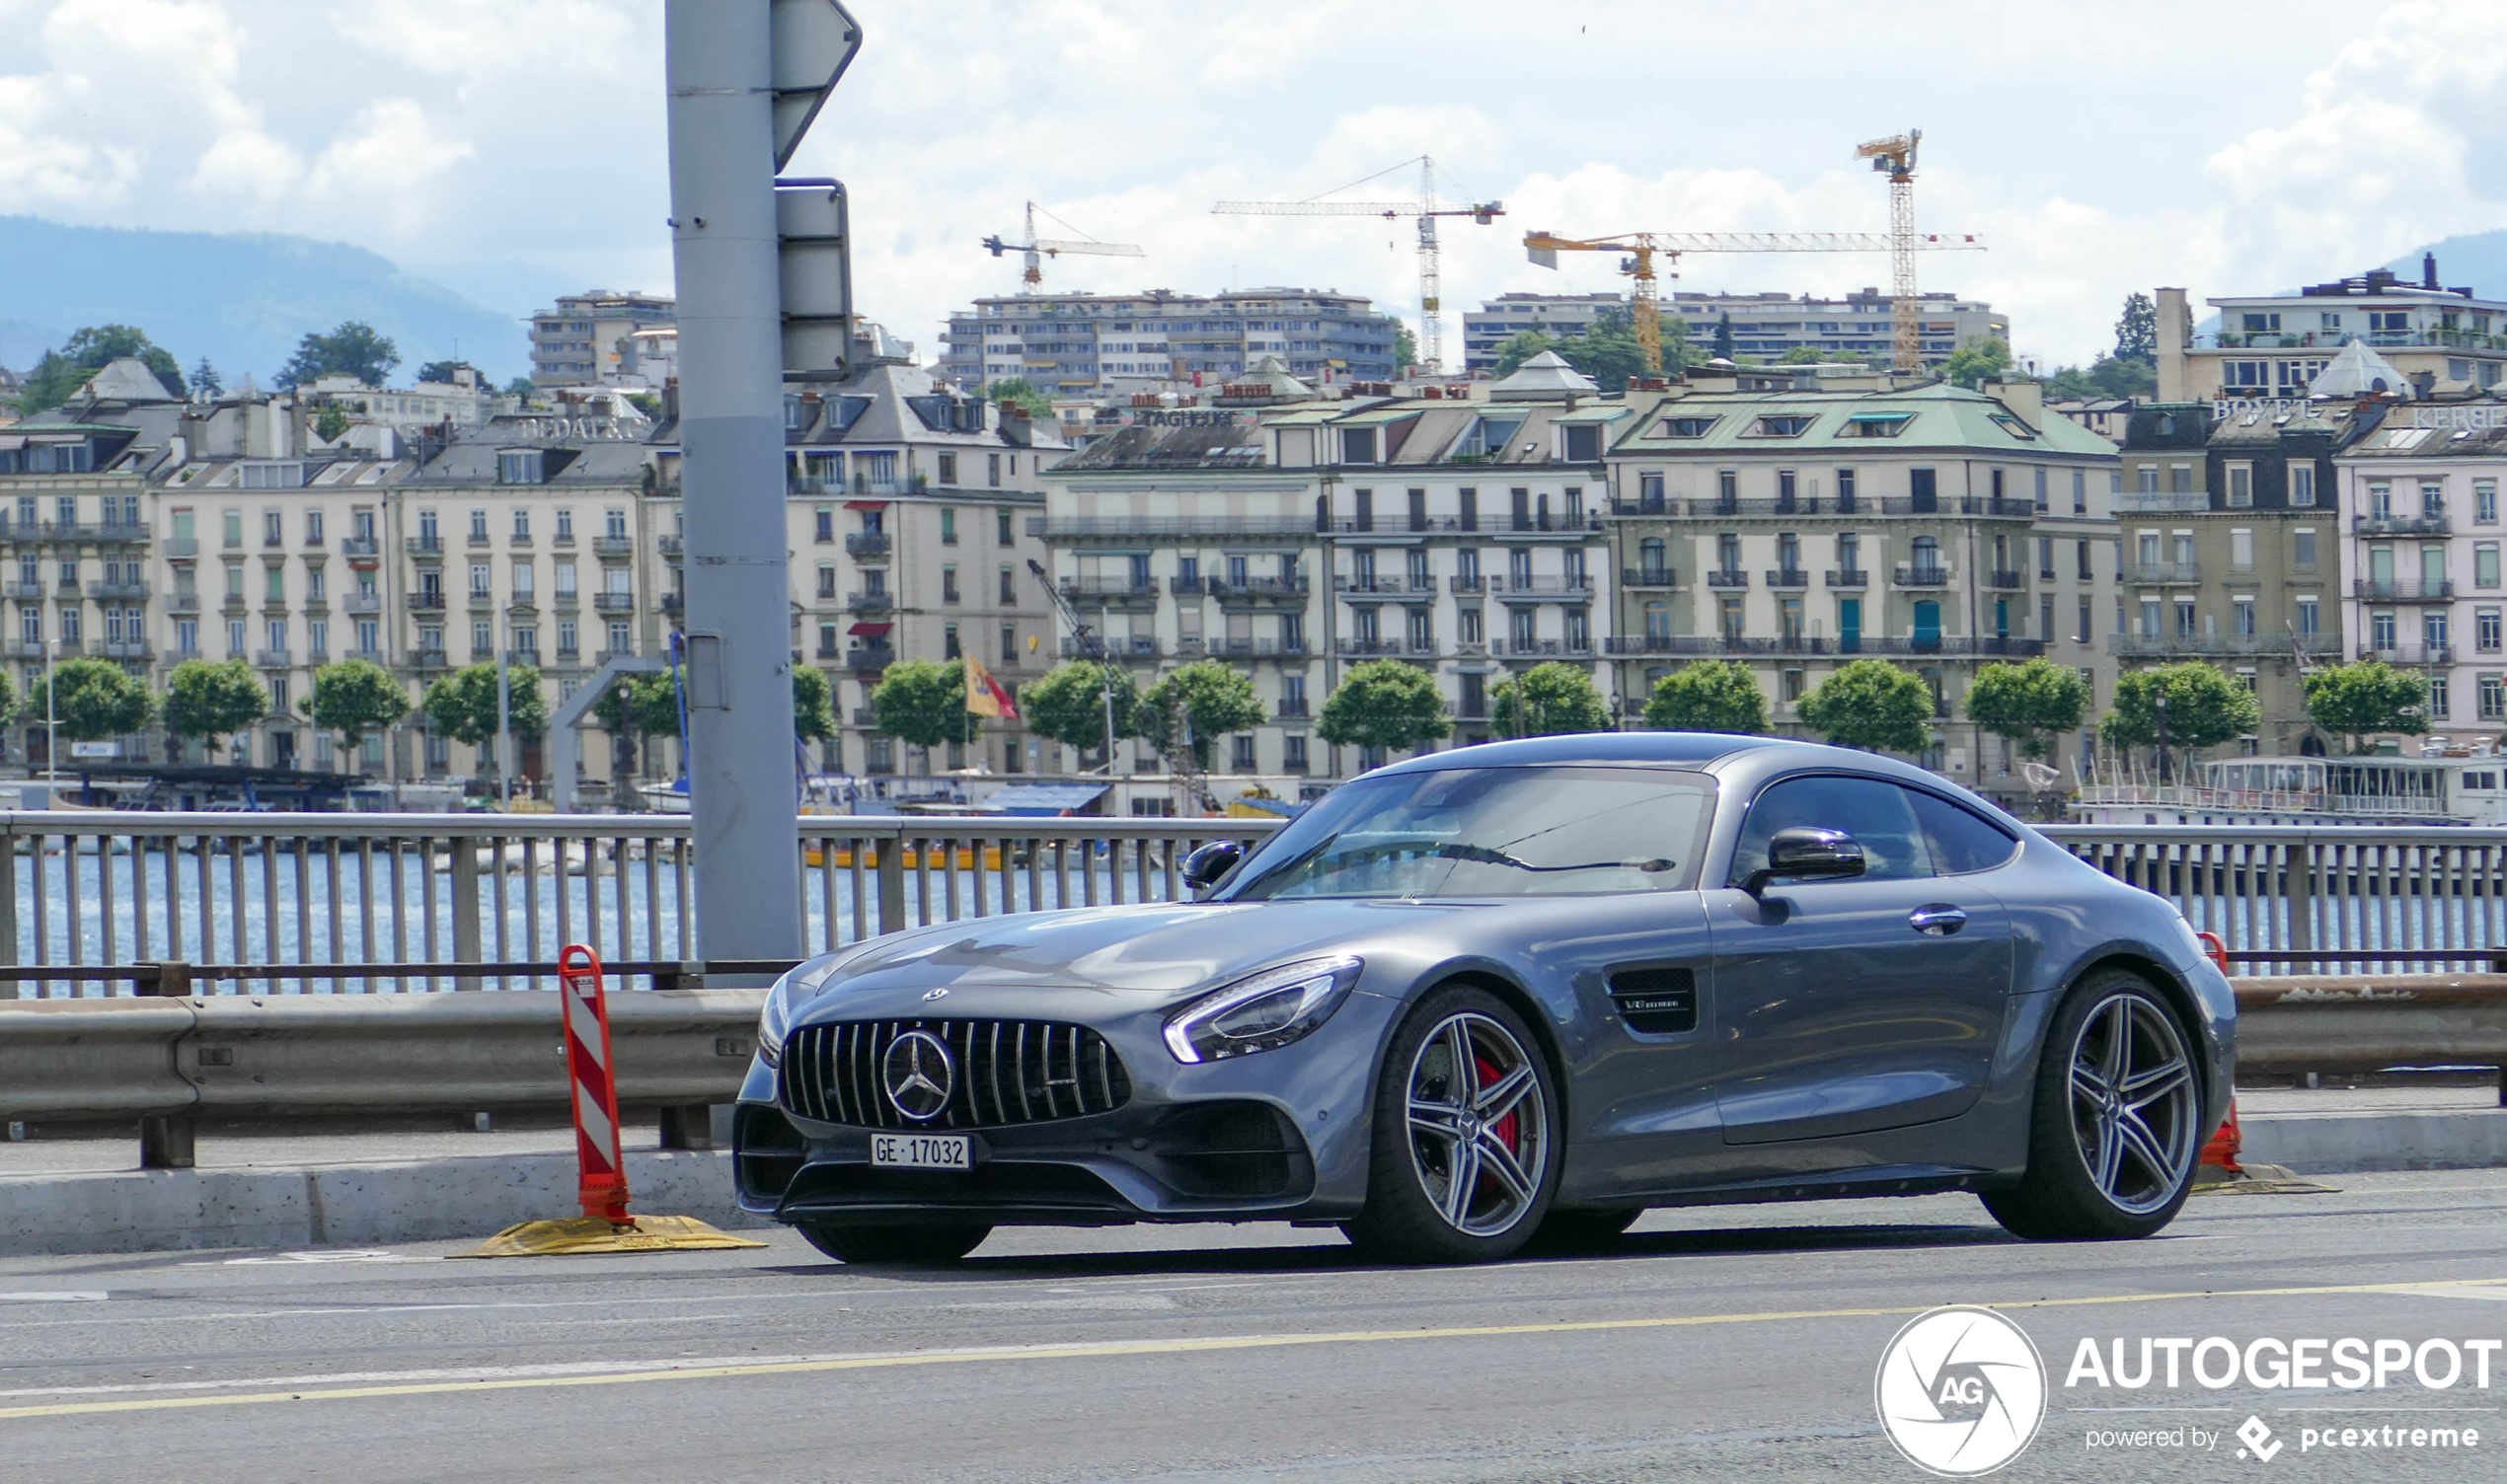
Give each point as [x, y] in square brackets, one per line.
[1089, 344]
[592, 340]
[1768, 326]
[1488, 329]
[2270, 347]
[1799, 530]
[2233, 550]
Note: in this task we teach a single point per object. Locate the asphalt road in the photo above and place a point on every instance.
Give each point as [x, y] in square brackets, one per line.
[1730, 1344]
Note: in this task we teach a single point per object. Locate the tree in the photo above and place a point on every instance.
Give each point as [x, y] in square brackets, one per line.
[922, 703]
[354, 349]
[1982, 360]
[2107, 377]
[1606, 351]
[92, 699]
[58, 374]
[330, 424]
[213, 700]
[813, 704]
[1723, 337]
[1872, 704]
[1522, 346]
[1709, 696]
[2027, 703]
[463, 704]
[1384, 704]
[2370, 696]
[1549, 700]
[1068, 704]
[523, 389]
[636, 706]
[356, 697]
[441, 373]
[1405, 348]
[1803, 355]
[1023, 394]
[2205, 707]
[1203, 702]
[205, 379]
[2137, 330]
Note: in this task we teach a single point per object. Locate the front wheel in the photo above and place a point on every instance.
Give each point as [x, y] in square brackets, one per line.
[2115, 1129]
[1464, 1152]
[927, 1243]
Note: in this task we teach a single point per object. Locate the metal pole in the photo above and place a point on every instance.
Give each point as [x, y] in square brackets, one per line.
[717, 61]
[505, 715]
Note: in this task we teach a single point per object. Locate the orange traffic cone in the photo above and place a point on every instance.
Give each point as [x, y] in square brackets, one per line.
[2220, 1171]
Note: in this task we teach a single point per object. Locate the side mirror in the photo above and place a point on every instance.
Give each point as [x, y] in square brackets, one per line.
[1807, 854]
[1213, 859]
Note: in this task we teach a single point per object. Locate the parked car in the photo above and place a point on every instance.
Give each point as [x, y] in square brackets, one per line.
[1514, 993]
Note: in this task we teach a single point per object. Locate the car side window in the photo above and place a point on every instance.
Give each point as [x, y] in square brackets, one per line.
[1961, 840]
[1879, 815]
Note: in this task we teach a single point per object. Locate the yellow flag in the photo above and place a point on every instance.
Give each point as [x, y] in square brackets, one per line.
[984, 694]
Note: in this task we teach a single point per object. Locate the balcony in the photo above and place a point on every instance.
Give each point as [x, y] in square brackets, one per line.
[615, 548]
[2222, 645]
[1415, 588]
[614, 602]
[25, 592]
[1727, 579]
[2161, 572]
[1542, 590]
[879, 601]
[1058, 528]
[866, 542]
[1917, 574]
[2005, 581]
[1856, 579]
[271, 659]
[378, 658]
[2402, 525]
[1783, 577]
[424, 548]
[360, 548]
[2406, 654]
[1381, 648]
[1294, 649]
[1951, 644]
[1115, 592]
[669, 546]
[1859, 506]
[1135, 647]
[674, 604]
[2402, 590]
[427, 660]
[1291, 590]
[1648, 576]
[125, 649]
[181, 546]
[863, 716]
[427, 599]
[2161, 502]
[117, 592]
[364, 600]
[1530, 651]
[183, 602]
[1293, 710]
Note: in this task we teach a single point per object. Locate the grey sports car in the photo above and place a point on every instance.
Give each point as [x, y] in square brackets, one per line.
[1518, 994]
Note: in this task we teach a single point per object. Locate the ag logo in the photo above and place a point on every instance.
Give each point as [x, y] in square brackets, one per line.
[1961, 1391]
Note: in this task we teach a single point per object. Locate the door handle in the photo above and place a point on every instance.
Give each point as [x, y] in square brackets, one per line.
[1939, 919]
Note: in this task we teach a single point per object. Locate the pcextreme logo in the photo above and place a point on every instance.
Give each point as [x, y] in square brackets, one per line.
[1961, 1391]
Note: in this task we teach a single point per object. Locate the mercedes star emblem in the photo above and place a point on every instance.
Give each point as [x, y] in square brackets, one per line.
[918, 1072]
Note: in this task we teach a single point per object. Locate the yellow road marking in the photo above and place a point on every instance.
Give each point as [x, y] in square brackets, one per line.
[1179, 1347]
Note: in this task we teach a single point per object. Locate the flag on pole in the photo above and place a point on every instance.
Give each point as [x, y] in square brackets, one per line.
[985, 696]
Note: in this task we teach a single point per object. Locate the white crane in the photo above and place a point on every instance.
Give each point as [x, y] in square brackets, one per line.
[1037, 248]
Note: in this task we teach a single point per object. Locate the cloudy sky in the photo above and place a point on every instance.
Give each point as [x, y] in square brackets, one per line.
[513, 148]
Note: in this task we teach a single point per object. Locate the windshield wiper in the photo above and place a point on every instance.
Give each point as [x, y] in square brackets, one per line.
[1487, 857]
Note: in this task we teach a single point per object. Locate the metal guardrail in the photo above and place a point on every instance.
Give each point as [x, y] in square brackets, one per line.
[2331, 1022]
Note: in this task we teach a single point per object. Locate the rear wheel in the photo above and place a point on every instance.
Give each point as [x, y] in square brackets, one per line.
[933, 1242]
[2116, 1126]
[1464, 1152]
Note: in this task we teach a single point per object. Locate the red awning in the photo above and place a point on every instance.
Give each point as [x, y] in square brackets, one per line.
[870, 629]
[866, 504]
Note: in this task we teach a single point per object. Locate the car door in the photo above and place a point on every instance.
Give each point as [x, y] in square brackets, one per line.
[1847, 1007]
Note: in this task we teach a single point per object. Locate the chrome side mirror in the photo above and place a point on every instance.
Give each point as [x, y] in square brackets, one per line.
[1807, 854]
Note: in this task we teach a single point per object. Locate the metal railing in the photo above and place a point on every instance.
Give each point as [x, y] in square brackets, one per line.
[360, 903]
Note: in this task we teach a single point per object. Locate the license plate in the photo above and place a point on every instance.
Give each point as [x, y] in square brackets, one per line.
[922, 1151]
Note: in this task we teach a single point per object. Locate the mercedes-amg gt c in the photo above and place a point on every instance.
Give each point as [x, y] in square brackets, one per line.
[1512, 994]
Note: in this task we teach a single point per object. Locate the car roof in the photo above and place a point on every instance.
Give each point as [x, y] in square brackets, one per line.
[1601, 747]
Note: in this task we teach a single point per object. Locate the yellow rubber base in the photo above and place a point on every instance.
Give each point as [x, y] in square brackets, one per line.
[2256, 1181]
[584, 1233]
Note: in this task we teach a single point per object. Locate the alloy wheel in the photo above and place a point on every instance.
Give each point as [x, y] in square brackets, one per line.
[2133, 1102]
[1479, 1127]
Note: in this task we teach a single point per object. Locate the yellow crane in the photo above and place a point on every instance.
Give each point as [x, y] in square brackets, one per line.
[1894, 157]
[1426, 209]
[1037, 248]
[1643, 248]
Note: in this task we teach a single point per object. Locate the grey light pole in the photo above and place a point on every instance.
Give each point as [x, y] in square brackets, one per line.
[719, 65]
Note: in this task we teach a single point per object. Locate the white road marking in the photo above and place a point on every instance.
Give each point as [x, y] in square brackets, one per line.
[285, 1259]
[2467, 1291]
[71, 1295]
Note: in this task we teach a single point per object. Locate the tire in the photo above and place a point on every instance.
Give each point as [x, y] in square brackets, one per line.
[2102, 1168]
[924, 1243]
[1580, 1234]
[1498, 1132]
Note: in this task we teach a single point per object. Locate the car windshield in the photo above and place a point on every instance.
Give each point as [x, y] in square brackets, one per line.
[1490, 832]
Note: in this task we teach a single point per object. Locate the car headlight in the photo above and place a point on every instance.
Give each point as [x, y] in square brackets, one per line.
[794, 990]
[1261, 1013]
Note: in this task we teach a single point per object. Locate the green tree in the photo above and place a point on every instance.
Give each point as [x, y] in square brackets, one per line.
[2370, 696]
[1803, 355]
[922, 703]
[92, 699]
[2027, 703]
[1405, 348]
[1709, 696]
[638, 707]
[1023, 394]
[2137, 329]
[2107, 377]
[523, 390]
[1608, 352]
[442, 372]
[1384, 704]
[1549, 700]
[1982, 360]
[1723, 337]
[2205, 707]
[813, 704]
[1872, 704]
[1204, 701]
[353, 348]
[463, 704]
[356, 697]
[1068, 704]
[205, 379]
[1522, 346]
[58, 374]
[330, 423]
[212, 700]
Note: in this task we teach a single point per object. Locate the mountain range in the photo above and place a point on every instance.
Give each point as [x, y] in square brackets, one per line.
[243, 300]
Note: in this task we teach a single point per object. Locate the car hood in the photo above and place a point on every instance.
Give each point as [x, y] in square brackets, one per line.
[1162, 949]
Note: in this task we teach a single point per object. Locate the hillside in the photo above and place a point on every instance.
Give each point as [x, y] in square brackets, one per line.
[2478, 259]
[243, 300]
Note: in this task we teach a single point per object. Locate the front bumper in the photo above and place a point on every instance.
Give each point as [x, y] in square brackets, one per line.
[1280, 1135]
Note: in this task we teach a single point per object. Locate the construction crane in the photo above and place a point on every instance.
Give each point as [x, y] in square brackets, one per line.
[1643, 248]
[1037, 248]
[1896, 158]
[1432, 274]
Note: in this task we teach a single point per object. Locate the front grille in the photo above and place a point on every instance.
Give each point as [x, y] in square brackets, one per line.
[1008, 1072]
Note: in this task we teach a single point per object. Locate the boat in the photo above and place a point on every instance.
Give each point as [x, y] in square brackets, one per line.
[2462, 790]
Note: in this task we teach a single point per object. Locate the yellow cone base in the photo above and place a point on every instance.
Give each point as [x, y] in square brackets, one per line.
[584, 1233]
[2256, 1181]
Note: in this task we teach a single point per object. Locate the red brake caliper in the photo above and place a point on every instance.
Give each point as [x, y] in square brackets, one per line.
[1503, 1128]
